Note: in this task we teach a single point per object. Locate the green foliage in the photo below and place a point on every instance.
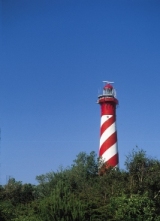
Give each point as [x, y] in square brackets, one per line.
[6, 210]
[26, 213]
[61, 205]
[17, 193]
[131, 208]
[80, 193]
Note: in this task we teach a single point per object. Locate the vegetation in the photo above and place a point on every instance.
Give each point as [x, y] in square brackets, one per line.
[81, 193]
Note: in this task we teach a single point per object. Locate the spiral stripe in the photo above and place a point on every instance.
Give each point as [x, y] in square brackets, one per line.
[108, 140]
[107, 133]
[109, 121]
[109, 153]
[104, 118]
[108, 143]
[113, 161]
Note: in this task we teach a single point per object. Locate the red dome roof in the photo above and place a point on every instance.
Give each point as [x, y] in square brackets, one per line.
[108, 86]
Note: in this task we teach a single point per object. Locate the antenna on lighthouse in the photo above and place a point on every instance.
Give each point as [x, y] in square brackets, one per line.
[108, 82]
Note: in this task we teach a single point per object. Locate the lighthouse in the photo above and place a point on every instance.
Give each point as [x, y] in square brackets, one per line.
[108, 149]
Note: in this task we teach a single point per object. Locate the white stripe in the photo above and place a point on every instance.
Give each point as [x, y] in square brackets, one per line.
[107, 133]
[104, 118]
[110, 153]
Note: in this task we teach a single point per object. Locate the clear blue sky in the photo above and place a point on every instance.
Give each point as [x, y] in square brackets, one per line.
[54, 57]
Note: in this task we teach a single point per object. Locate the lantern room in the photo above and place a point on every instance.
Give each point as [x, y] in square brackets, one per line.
[109, 91]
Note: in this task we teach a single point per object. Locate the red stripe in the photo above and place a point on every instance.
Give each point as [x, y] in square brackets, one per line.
[108, 143]
[113, 161]
[107, 124]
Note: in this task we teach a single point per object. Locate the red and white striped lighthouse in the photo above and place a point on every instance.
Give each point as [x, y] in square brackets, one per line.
[108, 149]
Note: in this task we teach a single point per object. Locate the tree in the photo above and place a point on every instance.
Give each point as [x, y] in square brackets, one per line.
[136, 208]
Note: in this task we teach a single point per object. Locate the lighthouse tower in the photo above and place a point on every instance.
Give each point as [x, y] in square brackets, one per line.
[108, 135]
